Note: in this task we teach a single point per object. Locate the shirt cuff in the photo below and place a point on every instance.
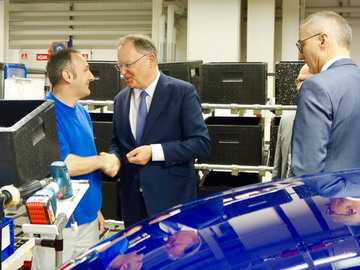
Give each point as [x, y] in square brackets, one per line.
[157, 152]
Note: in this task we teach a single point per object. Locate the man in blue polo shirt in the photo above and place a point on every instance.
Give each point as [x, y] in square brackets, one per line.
[70, 77]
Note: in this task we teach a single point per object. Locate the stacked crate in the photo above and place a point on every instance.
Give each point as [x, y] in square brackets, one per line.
[235, 140]
[28, 140]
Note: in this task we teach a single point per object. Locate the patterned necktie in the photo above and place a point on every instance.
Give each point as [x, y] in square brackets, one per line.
[141, 118]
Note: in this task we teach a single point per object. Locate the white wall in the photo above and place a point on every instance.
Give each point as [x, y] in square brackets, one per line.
[4, 15]
[181, 41]
[261, 31]
[213, 30]
[355, 44]
[290, 28]
[260, 47]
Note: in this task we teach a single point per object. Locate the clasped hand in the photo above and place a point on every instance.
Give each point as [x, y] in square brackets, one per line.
[140, 155]
[111, 164]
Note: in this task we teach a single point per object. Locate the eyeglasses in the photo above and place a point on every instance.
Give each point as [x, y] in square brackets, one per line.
[298, 43]
[331, 212]
[127, 66]
[297, 81]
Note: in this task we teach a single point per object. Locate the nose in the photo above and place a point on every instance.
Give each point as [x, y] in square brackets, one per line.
[170, 241]
[301, 56]
[140, 256]
[123, 71]
[92, 78]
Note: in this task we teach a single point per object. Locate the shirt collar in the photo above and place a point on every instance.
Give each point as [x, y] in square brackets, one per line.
[329, 63]
[151, 88]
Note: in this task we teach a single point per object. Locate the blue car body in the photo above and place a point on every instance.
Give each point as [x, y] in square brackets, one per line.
[294, 223]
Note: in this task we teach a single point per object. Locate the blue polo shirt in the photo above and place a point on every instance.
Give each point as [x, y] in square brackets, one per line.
[76, 137]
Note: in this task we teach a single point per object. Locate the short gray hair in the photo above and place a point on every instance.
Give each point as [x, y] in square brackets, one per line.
[143, 44]
[332, 22]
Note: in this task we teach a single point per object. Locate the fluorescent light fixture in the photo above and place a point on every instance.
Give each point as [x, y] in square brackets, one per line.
[323, 261]
[335, 258]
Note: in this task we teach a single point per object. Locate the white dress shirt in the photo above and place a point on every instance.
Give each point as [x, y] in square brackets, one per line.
[157, 150]
[330, 62]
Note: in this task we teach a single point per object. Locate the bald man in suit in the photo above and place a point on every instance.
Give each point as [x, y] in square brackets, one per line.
[326, 127]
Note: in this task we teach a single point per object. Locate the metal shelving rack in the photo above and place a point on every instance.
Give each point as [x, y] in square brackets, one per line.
[235, 109]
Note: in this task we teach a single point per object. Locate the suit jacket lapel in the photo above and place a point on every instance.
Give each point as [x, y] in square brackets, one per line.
[126, 111]
[162, 93]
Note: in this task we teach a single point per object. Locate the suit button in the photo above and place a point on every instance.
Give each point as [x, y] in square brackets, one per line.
[136, 177]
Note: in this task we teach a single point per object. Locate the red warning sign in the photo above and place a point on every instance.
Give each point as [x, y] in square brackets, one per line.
[24, 56]
[42, 56]
[86, 56]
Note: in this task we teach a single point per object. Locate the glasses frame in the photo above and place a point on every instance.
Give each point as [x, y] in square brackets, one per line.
[331, 212]
[297, 81]
[128, 66]
[298, 43]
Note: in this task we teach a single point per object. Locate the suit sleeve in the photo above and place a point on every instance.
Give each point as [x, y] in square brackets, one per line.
[196, 141]
[115, 144]
[312, 129]
[276, 173]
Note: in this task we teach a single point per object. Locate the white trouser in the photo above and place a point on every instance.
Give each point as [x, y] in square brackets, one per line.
[75, 242]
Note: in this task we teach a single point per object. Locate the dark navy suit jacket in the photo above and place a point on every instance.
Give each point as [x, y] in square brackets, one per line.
[175, 121]
[326, 129]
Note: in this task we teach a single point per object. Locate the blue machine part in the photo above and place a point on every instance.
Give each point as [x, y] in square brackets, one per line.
[59, 46]
[282, 224]
[61, 176]
[15, 71]
[49, 191]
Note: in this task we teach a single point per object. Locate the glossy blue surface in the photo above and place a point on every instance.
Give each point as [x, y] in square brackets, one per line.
[283, 224]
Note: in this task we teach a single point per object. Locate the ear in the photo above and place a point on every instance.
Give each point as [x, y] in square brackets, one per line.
[152, 59]
[66, 75]
[194, 236]
[324, 38]
[352, 211]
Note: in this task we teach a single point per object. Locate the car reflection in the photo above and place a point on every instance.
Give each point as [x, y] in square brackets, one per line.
[285, 224]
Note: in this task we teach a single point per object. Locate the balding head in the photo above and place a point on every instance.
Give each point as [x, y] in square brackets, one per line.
[323, 36]
[333, 23]
[303, 75]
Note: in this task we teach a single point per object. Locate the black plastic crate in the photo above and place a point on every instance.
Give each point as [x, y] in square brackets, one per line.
[234, 82]
[28, 140]
[107, 80]
[286, 73]
[188, 71]
[235, 140]
[102, 126]
[223, 178]
[111, 204]
[218, 181]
